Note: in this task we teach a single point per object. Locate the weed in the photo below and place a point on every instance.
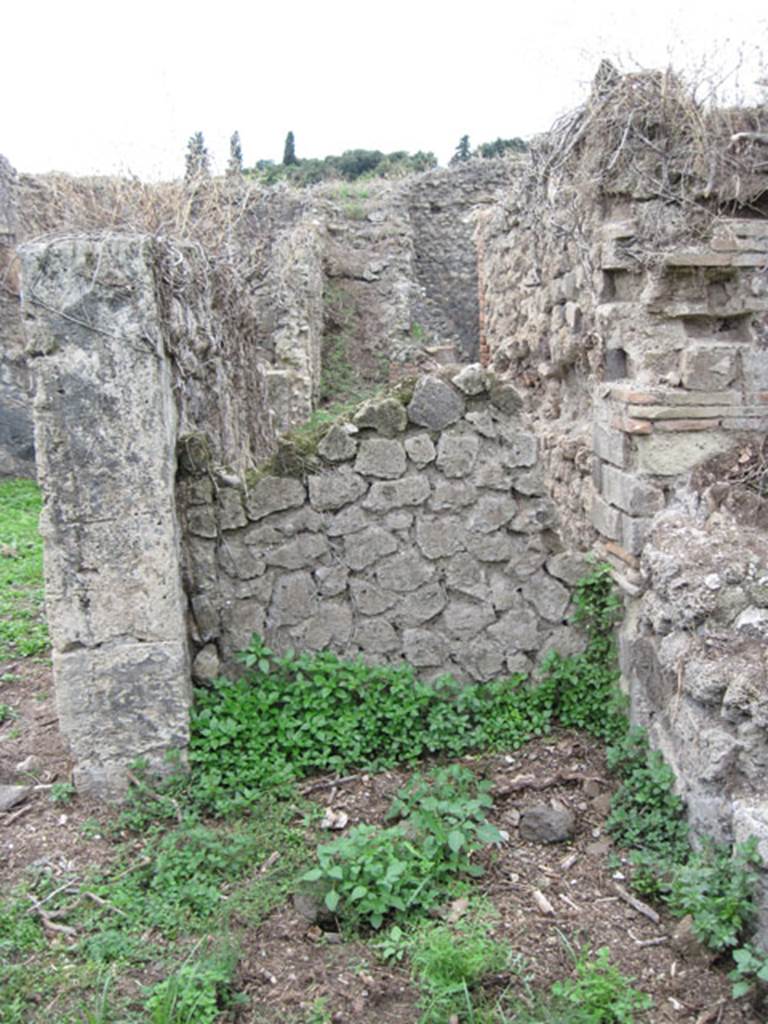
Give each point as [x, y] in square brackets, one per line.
[22, 616]
[6, 713]
[599, 993]
[449, 963]
[371, 873]
[62, 793]
[716, 887]
[196, 992]
[751, 966]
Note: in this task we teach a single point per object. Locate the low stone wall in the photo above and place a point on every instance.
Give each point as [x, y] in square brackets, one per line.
[420, 532]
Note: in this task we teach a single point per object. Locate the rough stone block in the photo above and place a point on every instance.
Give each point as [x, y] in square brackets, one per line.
[605, 518]
[465, 619]
[230, 509]
[491, 547]
[369, 599]
[437, 537]
[451, 494]
[334, 489]
[305, 550]
[505, 397]
[375, 636]
[611, 445]
[467, 576]
[519, 449]
[456, 453]
[491, 513]
[339, 445]
[409, 491]
[274, 494]
[634, 532]
[632, 495]
[709, 367]
[351, 519]
[424, 648]
[672, 454]
[419, 606]
[482, 658]
[116, 704]
[387, 416]
[517, 630]
[549, 598]
[435, 404]
[420, 449]
[331, 580]
[404, 571]
[569, 567]
[380, 457]
[330, 626]
[472, 379]
[364, 548]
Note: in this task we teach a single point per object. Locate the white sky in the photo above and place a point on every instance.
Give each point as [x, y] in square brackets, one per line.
[100, 87]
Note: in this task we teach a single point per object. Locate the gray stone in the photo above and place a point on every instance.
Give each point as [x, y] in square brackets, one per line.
[494, 475]
[635, 496]
[201, 522]
[206, 615]
[530, 484]
[331, 624]
[506, 398]
[544, 824]
[534, 515]
[491, 513]
[467, 576]
[397, 521]
[472, 379]
[201, 561]
[350, 520]
[482, 658]
[419, 606]
[273, 494]
[262, 535]
[420, 449]
[331, 580]
[753, 622]
[568, 567]
[505, 591]
[31, 765]
[675, 453]
[404, 571]
[456, 453]
[549, 598]
[517, 630]
[370, 599]
[481, 421]
[10, 796]
[611, 445]
[519, 448]
[387, 416]
[605, 518]
[294, 599]
[206, 666]
[240, 561]
[491, 547]
[465, 619]
[305, 550]
[375, 636]
[331, 490]
[406, 492]
[338, 445]
[437, 537]
[379, 457]
[364, 548]
[230, 508]
[435, 405]
[424, 648]
[451, 494]
[303, 520]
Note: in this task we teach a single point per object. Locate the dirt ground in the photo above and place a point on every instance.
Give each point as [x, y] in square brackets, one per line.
[546, 895]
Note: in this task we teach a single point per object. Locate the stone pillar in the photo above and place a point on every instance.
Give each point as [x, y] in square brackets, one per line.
[105, 426]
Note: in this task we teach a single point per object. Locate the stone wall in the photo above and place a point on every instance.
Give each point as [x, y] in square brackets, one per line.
[420, 532]
[17, 449]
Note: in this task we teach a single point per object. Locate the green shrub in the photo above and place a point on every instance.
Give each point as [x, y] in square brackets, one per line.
[599, 993]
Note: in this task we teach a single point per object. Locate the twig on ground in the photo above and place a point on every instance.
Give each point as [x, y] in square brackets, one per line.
[8, 819]
[647, 942]
[636, 904]
[329, 783]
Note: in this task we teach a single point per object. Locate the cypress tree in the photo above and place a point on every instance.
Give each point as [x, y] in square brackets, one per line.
[197, 159]
[289, 151]
[235, 165]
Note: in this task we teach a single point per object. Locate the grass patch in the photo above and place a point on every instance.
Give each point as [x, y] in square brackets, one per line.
[23, 630]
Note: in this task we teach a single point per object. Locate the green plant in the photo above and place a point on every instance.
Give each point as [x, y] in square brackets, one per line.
[716, 886]
[751, 966]
[196, 992]
[62, 793]
[450, 962]
[599, 993]
[371, 873]
[22, 616]
[6, 713]
[646, 814]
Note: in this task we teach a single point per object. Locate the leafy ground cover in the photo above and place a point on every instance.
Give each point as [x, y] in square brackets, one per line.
[22, 617]
[220, 896]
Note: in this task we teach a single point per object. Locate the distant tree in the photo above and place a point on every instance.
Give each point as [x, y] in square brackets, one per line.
[197, 160]
[289, 150]
[462, 151]
[235, 165]
[488, 150]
